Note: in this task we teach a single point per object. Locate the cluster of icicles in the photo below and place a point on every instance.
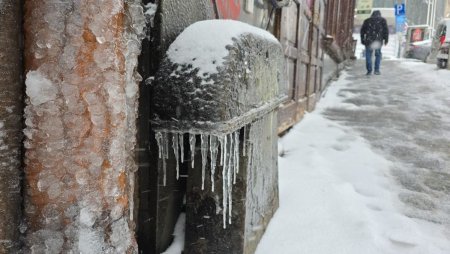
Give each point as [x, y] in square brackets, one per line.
[228, 158]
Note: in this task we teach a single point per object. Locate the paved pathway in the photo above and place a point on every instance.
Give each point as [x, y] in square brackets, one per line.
[369, 170]
[405, 115]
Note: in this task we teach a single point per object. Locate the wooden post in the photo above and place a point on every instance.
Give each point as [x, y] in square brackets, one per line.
[82, 89]
[11, 109]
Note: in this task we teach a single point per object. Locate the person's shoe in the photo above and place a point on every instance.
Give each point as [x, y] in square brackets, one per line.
[369, 73]
[377, 73]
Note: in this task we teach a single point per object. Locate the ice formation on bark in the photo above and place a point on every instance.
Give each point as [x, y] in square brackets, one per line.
[82, 89]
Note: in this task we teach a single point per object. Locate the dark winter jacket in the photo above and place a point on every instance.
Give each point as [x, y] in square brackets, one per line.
[374, 29]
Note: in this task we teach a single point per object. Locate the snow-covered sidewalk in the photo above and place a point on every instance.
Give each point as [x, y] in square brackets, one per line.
[343, 189]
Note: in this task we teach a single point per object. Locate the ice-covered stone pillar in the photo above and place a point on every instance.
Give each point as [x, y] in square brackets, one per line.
[216, 96]
[11, 109]
[81, 104]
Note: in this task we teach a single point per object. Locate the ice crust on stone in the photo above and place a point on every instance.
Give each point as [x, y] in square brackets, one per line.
[220, 150]
[203, 44]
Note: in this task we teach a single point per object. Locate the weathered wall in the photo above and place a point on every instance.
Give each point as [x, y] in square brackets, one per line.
[339, 30]
[330, 69]
[11, 109]
[81, 91]
[338, 43]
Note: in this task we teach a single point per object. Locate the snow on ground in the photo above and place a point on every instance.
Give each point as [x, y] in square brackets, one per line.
[177, 245]
[340, 192]
[368, 170]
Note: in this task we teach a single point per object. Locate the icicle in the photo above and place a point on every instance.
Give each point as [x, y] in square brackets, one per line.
[181, 141]
[221, 142]
[249, 149]
[161, 139]
[230, 157]
[244, 144]
[236, 155]
[230, 170]
[257, 140]
[224, 151]
[204, 151]
[158, 137]
[224, 186]
[213, 150]
[166, 145]
[164, 170]
[176, 152]
[192, 146]
[225, 178]
[165, 154]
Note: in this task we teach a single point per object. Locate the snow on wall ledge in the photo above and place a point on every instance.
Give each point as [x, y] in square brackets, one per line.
[218, 77]
[82, 89]
[205, 42]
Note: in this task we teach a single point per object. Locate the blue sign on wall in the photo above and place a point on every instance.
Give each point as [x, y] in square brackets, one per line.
[400, 9]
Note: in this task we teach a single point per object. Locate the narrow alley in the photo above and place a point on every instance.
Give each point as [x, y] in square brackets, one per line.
[367, 172]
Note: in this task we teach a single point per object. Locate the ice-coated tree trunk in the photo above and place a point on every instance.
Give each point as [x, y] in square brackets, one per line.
[81, 107]
[11, 108]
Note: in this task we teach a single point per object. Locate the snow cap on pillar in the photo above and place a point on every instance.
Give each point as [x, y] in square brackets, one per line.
[206, 82]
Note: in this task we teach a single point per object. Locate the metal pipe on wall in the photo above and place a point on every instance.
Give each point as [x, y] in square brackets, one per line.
[434, 13]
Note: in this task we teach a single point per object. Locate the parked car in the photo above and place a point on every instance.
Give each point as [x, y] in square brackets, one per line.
[419, 50]
[441, 44]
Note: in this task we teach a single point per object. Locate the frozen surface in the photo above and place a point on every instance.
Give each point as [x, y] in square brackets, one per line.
[177, 245]
[150, 9]
[39, 89]
[368, 171]
[210, 144]
[80, 115]
[203, 44]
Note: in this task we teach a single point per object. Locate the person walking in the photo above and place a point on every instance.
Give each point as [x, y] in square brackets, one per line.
[374, 32]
